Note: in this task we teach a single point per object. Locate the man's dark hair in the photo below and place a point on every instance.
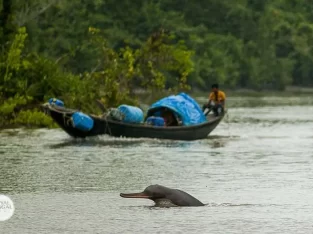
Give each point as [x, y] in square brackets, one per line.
[214, 86]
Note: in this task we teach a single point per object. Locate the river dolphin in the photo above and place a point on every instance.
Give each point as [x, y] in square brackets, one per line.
[165, 197]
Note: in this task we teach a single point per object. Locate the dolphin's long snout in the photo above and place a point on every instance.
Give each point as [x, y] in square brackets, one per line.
[134, 195]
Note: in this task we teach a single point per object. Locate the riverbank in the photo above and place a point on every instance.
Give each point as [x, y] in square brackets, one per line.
[293, 96]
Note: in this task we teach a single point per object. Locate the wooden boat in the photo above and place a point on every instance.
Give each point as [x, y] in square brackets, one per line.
[102, 125]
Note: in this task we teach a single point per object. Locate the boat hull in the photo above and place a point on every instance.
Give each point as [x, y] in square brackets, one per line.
[102, 125]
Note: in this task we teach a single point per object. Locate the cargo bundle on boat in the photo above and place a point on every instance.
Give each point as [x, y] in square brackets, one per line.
[177, 117]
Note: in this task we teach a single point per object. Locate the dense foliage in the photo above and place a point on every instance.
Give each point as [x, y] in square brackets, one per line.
[103, 49]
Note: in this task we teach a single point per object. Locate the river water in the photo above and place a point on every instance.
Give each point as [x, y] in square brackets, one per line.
[254, 172]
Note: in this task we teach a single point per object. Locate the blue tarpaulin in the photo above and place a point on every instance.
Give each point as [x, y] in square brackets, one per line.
[187, 109]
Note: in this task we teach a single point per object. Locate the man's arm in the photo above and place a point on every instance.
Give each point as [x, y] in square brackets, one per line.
[210, 99]
[207, 105]
[222, 102]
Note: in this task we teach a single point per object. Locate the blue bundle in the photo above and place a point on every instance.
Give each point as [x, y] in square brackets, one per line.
[155, 121]
[131, 114]
[54, 101]
[82, 121]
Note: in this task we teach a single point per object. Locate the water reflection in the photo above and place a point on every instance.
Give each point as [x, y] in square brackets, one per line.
[91, 142]
[117, 142]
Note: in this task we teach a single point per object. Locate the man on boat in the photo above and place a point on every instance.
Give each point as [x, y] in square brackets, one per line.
[216, 101]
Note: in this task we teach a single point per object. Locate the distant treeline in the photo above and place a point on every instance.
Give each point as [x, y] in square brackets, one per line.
[82, 50]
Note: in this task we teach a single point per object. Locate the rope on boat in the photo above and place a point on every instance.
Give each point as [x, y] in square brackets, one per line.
[107, 127]
[67, 120]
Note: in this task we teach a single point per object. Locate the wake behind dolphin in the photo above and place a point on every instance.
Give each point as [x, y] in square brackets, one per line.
[165, 197]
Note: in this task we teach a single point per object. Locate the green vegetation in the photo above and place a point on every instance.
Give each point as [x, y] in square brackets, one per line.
[80, 51]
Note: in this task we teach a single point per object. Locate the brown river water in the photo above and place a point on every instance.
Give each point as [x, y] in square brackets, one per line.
[254, 173]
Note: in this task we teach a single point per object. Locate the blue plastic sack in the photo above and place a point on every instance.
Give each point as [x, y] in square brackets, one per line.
[82, 121]
[56, 102]
[155, 121]
[131, 114]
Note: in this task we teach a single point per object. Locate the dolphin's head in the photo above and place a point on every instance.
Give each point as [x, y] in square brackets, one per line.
[152, 192]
